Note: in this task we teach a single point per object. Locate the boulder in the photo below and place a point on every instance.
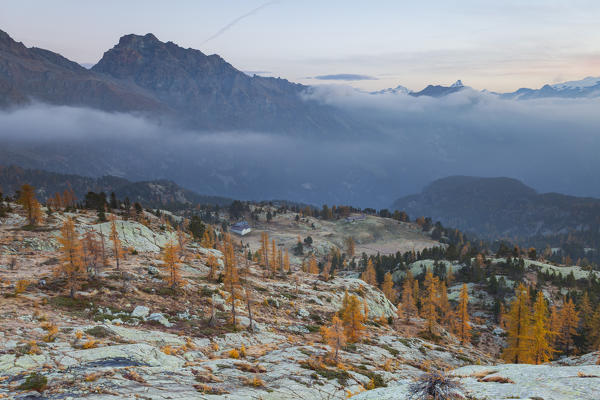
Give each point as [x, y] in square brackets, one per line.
[161, 319]
[138, 354]
[302, 313]
[140, 312]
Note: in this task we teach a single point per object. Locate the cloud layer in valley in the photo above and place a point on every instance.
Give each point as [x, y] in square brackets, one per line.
[550, 144]
[345, 77]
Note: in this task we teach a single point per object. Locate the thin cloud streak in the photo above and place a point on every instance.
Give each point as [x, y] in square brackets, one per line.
[345, 77]
[238, 19]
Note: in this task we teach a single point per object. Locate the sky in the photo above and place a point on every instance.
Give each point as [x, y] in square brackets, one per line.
[494, 45]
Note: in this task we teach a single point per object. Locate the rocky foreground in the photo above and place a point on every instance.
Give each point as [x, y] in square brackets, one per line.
[124, 335]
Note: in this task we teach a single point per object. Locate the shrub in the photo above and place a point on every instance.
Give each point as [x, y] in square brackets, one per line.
[435, 386]
[21, 286]
[35, 381]
[98, 332]
[52, 331]
[233, 353]
[257, 382]
[169, 350]
[91, 343]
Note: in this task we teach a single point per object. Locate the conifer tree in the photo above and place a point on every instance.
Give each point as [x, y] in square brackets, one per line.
[264, 241]
[273, 257]
[353, 319]
[350, 246]
[207, 241]
[449, 276]
[212, 264]
[518, 321]
[345, 301]
[280, 260]
[555, 326]
[429, 301]
[334, 335]
[587, 317]
[313, 268]
[30, 204]
[182, 241]
[171, 264]
[569, 318]
[446, 313]
[387, 287]
[92, 252]
[464, 325]
[541, 348]
[326, 273]
[369, 275]
[114, 237]
[594, 334]
[409, 306]
[72, 266]
[231, 278]
[416, 294]
[286, 261]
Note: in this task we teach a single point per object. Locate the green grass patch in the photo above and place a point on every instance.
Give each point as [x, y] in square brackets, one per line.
[329, 374]
[99, 332]
[35, 381]
[68, 302]
[390, 349]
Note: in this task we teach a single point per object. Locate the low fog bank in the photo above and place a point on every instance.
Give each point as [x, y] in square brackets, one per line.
[551, 145]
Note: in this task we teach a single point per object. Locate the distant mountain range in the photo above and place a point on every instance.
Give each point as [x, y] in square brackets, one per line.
[587, 87]
[142, 74]
[496, 208]
[158, 193]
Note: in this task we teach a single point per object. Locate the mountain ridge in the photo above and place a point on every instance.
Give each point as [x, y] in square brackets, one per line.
[164, 80]
[501, 207]
[152, 193]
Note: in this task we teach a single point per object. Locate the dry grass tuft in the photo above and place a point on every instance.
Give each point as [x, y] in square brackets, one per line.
[496, 379]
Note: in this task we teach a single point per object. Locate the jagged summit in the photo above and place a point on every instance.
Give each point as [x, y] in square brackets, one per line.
[458, 83]
[165, 81]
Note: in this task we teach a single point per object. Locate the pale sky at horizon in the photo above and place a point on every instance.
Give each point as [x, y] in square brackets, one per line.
[499, 46]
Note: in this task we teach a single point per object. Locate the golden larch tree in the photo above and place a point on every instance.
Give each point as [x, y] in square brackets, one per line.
[116, 242]
[231, 278]
[518, 324]
[416, 293]
[463, 328]
[446, 313]
[387, 287]
[555, 326]
[212, 264]
[72, 266]
[273, 257]
[313, 268]
[569, 320]
[326, 272]
[334, 335]
[286, 261]
[353, 319]
[264, 249]
[541, 335]
[409, 306]
[171, 264]
[429, 301]
[369, 275]
[30, 204]
[207, 240]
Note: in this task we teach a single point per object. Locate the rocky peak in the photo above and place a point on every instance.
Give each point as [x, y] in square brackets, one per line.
[132, 40]
[9, 44]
